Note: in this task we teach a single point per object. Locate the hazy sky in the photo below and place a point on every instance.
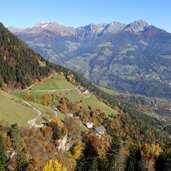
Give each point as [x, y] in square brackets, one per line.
[24, 13]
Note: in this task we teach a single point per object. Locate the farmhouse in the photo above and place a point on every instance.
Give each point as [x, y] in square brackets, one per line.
[89, 125]
[81, 90]
[100, 130]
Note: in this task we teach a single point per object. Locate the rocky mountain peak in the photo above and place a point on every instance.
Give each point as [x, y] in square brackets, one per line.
[48, 26]
[137, 26]
[40, 24]
[113, 28]
[90, 30]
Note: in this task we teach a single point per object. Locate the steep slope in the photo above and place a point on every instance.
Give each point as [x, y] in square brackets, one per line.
[33, 67]
[20, 66]
[134, 57]
[13, 110]
[64, 141]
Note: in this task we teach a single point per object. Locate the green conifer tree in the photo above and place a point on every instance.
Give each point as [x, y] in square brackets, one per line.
[3, 156]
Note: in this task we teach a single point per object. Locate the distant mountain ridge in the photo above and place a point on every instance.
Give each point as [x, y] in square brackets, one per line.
[133, 57]
[83, 31]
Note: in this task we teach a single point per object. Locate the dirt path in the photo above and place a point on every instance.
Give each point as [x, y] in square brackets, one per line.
[40, 91]
[57, 112]
[87, 96]
[33, 121]
[28, 88]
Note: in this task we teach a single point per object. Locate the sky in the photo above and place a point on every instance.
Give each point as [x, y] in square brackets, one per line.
[26, 13]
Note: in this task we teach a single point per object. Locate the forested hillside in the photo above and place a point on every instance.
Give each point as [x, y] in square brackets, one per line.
[19, 65]
[131, 138]
[76, 127]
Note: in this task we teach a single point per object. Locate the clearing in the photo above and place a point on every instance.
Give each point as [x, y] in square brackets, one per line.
[13, 110]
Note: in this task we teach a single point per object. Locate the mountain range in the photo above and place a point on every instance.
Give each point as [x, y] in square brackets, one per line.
[133, 57]
[52, 118]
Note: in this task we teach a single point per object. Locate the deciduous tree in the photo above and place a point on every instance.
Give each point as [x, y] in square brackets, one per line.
[54, 165]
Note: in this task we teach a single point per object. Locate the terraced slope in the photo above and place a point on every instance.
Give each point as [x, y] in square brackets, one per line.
[62, 88]
[13, 110]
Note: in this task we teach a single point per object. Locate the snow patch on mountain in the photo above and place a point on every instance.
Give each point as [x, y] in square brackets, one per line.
[44, 25]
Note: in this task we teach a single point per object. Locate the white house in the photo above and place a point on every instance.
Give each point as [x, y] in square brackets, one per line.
[89, 125]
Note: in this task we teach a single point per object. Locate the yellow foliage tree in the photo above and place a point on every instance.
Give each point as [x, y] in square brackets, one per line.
[61, 73]
[70, 78]
[45, 99]
[77, 150]
[151, 152]
[54, 165]
[28, 96]
[64, 106]
[58, 122]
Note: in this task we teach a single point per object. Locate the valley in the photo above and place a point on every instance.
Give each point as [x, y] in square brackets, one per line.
[159, 108]
[52, 118]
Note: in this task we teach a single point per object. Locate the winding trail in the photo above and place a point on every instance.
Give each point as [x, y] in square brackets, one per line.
[33, 121]
[87, 96]
[29, 88]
